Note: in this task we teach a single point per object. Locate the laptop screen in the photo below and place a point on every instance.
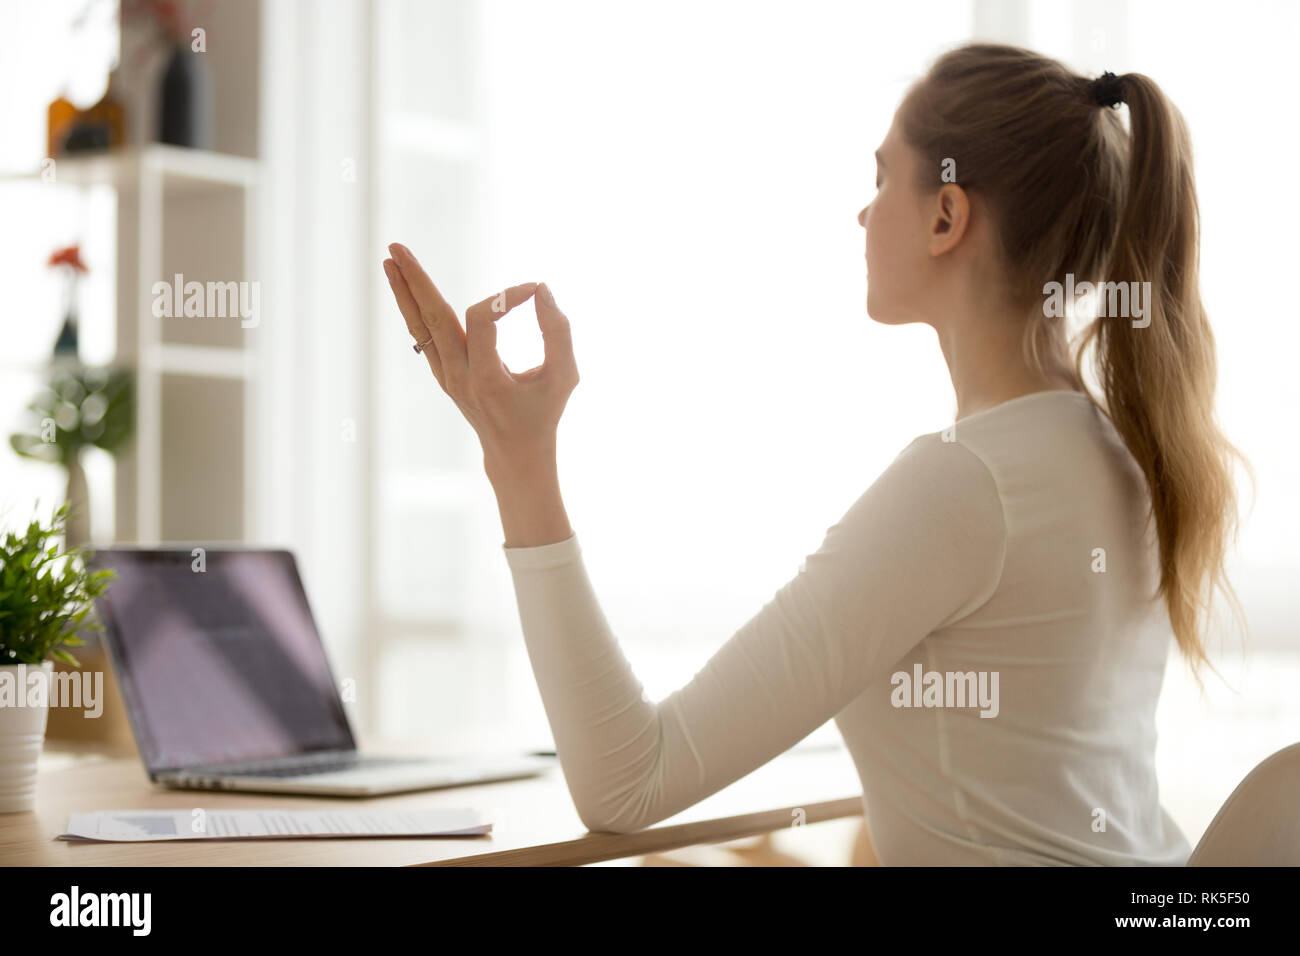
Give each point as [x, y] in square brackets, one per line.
[218, 662]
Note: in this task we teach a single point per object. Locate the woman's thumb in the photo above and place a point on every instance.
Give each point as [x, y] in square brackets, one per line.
[547, 299]
[556, 339]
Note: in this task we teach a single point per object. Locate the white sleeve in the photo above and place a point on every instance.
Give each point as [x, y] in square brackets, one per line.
[921, 548]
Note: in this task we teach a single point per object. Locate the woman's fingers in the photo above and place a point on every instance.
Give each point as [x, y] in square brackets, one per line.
[557, 340]
[495, 306]
[485, 365]
[414, 321]
[466, 362]
[438, 317]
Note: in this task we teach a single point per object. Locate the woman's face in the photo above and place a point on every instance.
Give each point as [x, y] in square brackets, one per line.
[897, 241]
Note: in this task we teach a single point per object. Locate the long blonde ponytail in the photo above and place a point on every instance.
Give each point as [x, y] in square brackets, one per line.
[1073, 192]
[1159, 379]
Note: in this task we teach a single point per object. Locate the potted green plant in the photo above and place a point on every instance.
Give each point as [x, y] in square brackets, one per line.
[80, 407]
[46, 594]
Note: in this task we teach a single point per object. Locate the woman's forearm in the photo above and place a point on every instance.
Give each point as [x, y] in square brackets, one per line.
[528, 497]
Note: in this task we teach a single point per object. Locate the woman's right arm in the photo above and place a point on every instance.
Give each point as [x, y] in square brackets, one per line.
[922, 547]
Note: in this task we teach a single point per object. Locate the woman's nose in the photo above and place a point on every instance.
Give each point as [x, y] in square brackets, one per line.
[862, 216]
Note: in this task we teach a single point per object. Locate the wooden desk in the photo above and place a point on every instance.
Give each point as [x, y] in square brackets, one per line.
[534, 822]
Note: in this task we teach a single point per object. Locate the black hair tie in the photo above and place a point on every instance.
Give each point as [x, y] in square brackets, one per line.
[1108, 90]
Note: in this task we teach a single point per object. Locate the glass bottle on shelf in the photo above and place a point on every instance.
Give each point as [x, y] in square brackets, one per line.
[100, 127]
[59, 119]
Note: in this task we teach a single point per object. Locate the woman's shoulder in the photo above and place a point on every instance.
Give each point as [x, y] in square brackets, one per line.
[1036, 450]
[1053, 429]
[938, 474]
[1045, 447]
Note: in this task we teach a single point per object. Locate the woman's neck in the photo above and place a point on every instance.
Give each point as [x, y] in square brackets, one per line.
[987, 365]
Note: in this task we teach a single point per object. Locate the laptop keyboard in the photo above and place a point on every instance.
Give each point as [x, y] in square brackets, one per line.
[308, 766]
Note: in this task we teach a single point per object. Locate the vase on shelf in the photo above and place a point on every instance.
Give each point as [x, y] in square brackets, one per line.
[68, 260]
[66, 346]
[59, 119]
[77, 530]
[97, 128]
[184, 117]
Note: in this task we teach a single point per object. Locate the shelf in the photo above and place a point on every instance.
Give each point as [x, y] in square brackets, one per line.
[184, 171]
[205, 361]
[208, 361]
[188, 474]
[42, 367]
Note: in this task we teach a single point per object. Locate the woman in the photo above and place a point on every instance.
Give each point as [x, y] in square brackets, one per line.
[1038, 553]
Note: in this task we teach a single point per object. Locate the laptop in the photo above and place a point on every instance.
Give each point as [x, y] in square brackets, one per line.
[227, 685]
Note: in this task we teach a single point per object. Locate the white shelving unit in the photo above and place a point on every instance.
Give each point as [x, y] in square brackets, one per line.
[187, 475]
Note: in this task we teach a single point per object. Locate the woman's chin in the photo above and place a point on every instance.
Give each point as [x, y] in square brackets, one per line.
[886, 317]
[876, 313]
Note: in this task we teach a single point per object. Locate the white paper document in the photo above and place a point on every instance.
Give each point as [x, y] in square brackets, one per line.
[141, 826]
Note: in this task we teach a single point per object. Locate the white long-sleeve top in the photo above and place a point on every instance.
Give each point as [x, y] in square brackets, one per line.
[1012, 547]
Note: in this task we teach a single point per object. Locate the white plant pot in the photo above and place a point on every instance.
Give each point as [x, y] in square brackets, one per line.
[22, 732]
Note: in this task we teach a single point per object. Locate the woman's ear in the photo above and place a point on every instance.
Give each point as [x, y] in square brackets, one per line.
[950, 218]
